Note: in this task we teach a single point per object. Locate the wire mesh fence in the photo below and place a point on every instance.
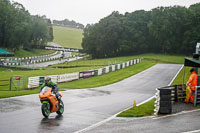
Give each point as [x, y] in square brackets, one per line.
[17, 82]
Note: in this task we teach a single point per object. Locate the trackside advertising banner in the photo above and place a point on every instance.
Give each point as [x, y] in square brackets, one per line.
[86, 74]
[68, 77]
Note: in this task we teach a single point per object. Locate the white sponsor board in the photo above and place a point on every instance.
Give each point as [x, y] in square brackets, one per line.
[131, 62]
[113, 67]
[123, 65]
[128, 64]
[107, 69]
[134, 62]
[68, 77]
[33, 82]
[100, 71]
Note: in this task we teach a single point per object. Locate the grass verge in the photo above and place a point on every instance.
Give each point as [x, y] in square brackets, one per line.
[108, 78]
[180, 79]
[18, 93]
[139, 111]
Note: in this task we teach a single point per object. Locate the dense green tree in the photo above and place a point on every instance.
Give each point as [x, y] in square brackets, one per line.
[6, 11]
[21, 30]
[167, 30]
[18, 29]
[191, 35]
[41, 30]
[103, 39]
[136, 33]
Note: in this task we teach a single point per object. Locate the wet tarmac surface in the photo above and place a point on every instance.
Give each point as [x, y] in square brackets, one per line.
[179, 123]
[85, 107]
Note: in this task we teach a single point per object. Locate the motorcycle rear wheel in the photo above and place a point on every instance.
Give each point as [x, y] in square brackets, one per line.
[46, 109]
[61, 108]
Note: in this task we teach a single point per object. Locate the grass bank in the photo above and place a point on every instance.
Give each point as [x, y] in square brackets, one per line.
[68, 37]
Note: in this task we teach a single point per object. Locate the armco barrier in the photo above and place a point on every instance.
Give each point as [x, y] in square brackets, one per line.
[26, 60]
[38, 80]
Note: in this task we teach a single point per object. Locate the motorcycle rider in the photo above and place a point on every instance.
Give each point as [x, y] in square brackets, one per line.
[52, 85]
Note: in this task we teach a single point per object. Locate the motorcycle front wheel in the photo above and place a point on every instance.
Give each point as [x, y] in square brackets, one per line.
[61, 108]
[45, 109]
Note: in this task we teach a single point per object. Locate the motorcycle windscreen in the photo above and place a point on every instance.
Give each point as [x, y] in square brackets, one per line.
[45, 89]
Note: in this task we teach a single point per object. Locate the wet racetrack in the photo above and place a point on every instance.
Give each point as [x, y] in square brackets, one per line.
[85, 107]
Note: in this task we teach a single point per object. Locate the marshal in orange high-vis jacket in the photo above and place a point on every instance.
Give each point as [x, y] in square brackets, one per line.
[192, 83]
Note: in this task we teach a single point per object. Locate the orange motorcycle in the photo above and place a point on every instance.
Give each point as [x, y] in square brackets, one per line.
[50, 103]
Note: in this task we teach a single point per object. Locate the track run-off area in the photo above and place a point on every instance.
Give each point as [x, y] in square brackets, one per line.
[84, 107]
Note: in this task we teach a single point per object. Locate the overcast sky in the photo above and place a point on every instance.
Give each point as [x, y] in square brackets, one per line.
[91, 11]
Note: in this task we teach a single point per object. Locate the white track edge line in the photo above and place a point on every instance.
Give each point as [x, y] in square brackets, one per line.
[112, 117]
[195, 131]
[176, 75]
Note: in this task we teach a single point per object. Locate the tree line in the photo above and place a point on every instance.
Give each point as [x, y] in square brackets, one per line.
[165, 30]
[68, 23]
[19, 29]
